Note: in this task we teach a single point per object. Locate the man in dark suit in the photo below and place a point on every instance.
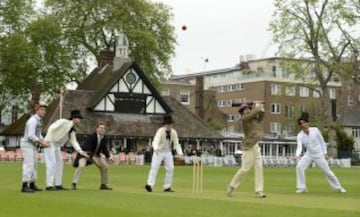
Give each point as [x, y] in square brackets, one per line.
[95, 145]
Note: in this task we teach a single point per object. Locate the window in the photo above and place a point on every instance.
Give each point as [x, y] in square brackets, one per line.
[130, 103]
[316, 93]
[304, 92]
[356, 132]
[285, 73]
[275, 89]
[273, 69]
[185, 97]
[237, 117]
[290, 91]
[275, 108]
[230, 118]
[332, 93]
[312, 74]
[222, 89]
[275, 127]
[238, 86]
[224, 103]
[289, 111]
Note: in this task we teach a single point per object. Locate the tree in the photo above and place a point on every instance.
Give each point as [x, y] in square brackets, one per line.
[33, 50]
[52, 46]
[318, 33]
[95, 24]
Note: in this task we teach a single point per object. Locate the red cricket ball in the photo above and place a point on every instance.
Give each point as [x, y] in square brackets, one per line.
[183, 27]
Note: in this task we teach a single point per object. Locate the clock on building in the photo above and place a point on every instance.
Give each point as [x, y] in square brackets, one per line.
[131, 78]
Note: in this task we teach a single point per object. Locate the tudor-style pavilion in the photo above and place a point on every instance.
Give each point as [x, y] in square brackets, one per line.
[119, 93]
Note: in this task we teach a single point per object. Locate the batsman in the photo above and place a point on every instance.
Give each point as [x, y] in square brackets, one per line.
[251, 117]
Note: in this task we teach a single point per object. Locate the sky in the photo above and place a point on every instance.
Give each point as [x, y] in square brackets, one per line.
[219, 31]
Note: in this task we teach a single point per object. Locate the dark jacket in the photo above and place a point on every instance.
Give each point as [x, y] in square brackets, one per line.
[89, 146]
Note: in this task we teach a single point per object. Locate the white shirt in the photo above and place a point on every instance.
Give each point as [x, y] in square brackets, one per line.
[313, 142]
[58, 134]
[33, 129]
[160, 143]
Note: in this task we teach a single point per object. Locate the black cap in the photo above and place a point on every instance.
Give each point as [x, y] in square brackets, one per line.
[168, 119]
[304, 117]
[75, 114]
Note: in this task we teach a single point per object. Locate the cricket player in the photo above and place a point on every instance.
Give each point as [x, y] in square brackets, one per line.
[316, 151]
[165, 140]
[29, 143]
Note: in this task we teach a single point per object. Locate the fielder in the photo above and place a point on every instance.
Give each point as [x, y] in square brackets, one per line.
[60, 132]
[316, 151]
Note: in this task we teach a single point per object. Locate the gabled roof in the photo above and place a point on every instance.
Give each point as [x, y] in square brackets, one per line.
[187, 124]
[94, 87]
[101, 81]
[16, 128]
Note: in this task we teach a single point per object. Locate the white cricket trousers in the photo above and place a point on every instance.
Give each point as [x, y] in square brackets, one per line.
[29, 166]
[250, 158]
[157, 158]
[322, 163]
[54, 165]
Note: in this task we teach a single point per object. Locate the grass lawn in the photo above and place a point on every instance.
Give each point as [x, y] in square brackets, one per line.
[129, 197]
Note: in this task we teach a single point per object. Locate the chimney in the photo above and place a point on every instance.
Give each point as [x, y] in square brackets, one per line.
[35, 96]
[199, 97]
[105, 57]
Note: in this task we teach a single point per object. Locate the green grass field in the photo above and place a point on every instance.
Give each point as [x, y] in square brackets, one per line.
[129, 197]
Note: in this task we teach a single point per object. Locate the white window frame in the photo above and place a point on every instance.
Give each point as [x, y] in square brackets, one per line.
[289, 111]
[356, 132]
[332, 93]
[303, 91]
[275, 89]
[275, 108]
[230, 118]
[275, 128]
[239, 86]
[186, 94]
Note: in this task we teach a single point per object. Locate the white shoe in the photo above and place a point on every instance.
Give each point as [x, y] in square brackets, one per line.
[300, 191]
[342, 190]
[229, 190]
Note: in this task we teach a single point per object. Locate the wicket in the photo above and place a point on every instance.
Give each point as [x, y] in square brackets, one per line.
[197, 175]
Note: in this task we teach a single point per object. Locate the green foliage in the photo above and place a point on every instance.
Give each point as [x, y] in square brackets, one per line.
[321, 35]
[53, 46]
[95, 24]
[344, 142]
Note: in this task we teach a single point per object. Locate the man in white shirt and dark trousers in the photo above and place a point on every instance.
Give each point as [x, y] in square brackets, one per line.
[29, 143]
[165, 140]
[316, 151]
